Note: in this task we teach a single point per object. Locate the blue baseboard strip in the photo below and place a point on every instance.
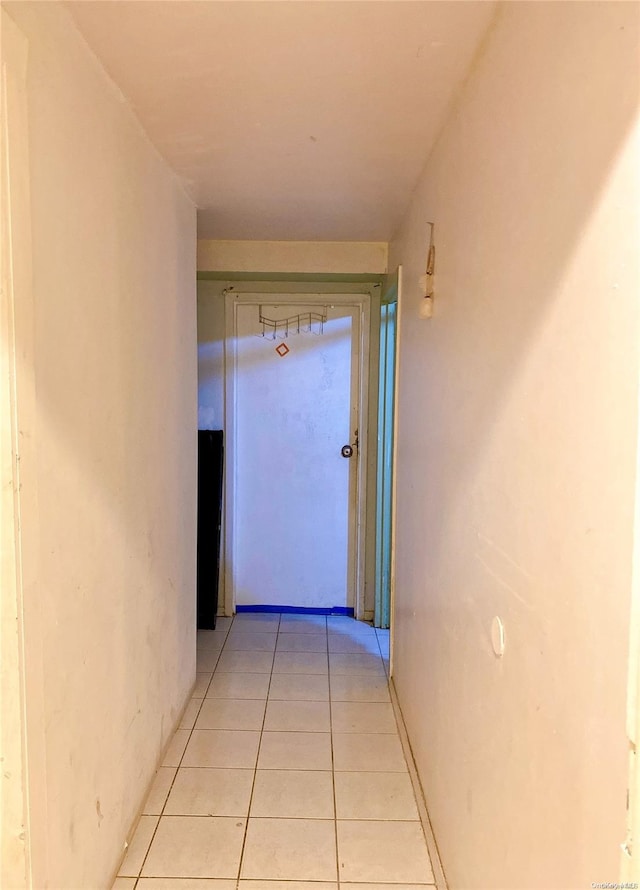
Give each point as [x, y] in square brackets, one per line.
[299, 610]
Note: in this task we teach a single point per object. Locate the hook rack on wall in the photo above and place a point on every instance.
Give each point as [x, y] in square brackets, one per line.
[300, 323]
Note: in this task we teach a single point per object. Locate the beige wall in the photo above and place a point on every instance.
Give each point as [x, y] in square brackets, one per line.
[109, 488]
[14, 269]
[339, 257]
[516, 453]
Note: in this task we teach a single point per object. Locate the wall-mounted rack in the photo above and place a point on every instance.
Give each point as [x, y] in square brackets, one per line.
[301, 323]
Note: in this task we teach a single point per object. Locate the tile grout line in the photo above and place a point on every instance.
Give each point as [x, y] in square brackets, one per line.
[213, 881]
[255, 770]
[217, 659]
[293, 819]
[155, 831]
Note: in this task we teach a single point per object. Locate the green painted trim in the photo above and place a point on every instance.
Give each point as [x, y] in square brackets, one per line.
[344, 277]
[390, 289]
[384, 475]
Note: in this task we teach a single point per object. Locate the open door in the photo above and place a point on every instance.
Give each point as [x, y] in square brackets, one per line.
[386, 437]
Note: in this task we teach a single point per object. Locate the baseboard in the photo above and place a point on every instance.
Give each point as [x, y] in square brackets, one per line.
[432, 846]
[129, 835]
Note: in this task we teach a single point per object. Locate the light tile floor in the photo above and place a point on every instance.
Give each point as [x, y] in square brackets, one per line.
[287, 771]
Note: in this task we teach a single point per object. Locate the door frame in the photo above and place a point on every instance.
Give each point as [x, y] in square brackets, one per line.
[394, 467]
[233, 299]
[386, 451]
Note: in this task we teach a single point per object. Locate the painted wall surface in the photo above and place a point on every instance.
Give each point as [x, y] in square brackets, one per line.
[516, 452]
[112, 542]
[340, 257]
[14, 270]
[211, 332]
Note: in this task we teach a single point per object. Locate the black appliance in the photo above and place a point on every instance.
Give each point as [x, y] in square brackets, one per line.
[210, 467]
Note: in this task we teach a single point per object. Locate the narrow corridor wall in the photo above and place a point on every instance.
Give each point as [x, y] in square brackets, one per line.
[109, 526]
[516, 452]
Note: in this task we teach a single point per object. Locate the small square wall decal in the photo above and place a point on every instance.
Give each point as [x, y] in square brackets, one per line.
[282, 350]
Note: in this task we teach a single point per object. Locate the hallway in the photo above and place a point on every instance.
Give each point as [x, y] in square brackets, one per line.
[290, 724]
[477, 162]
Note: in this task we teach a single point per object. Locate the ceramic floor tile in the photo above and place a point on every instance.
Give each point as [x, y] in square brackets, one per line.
[374, 752]
[290, 835]
[211, 639]
[293, 794]
[210, 792]
[138, 846]
[159, 791]
[374, 688]
[239, 685]
[245, 662]
[190, 713]
[196, 847]
[222, 748]
[343, 624]
[352, 664]
[185, 884]
[383, 851]
[291, 642]
[354, 645]
[362, 716]
[297, 716]
[176, 748]
[303, 624]
[256, 621]
[290, 850]
[299, 687]
[200, 649]
[287, 885]
[295, 750]
[231, 713]
[300, 663]
[206, 660]
[375, 796]
[202, 684]
[348, 886]
[250, 641]
[223, 622]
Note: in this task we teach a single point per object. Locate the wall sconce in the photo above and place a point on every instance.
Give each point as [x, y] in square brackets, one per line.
[426, 281]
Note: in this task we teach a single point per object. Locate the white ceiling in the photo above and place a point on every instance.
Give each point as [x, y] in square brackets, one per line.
[290, 120]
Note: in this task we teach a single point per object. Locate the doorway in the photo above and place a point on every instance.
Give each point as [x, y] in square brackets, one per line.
[384, 488]
[296, 425]
[385, 478]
